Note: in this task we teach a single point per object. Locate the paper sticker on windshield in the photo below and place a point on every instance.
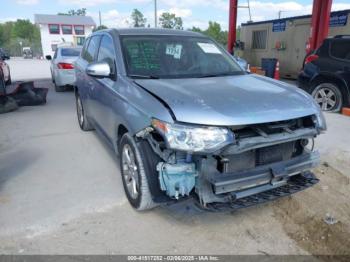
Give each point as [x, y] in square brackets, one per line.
[209, 48]
[174, 50]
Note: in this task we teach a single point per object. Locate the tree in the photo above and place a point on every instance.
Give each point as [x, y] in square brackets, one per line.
[138, 20]
[168, 20]
[100, 27]
[15, 35]
[81, 11]
[214, 31]
[23, 29]
[196, 29]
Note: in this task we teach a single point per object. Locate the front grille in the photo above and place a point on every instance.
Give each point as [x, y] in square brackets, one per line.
[276, 153]
[261, 156]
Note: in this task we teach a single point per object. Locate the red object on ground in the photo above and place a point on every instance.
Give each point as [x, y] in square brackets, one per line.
[346, 111]
[319, 23]
[65, 66]
[232, 26]
[277, 71]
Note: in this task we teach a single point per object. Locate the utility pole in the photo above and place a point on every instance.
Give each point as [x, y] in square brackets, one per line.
[155, 13]
[99, 16]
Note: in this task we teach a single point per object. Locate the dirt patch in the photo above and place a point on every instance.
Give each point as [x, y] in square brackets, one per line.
[303, 215]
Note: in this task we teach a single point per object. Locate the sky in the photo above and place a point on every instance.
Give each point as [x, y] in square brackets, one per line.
[116, 13]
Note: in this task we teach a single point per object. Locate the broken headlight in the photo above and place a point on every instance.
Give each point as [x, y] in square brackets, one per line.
[193, 138]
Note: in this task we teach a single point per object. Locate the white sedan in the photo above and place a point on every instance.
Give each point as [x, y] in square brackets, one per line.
[62, 67]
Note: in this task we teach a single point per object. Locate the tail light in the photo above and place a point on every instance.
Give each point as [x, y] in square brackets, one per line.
[310, 58]
[65, 66]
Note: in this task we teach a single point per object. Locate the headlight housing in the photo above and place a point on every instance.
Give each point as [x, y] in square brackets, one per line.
[194, 138]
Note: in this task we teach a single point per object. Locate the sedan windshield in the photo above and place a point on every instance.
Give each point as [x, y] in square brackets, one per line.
[176, 57]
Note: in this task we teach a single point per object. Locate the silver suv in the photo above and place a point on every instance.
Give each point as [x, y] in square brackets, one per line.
[188, 122]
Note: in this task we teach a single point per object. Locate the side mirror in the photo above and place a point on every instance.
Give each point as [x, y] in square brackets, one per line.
[48, 57]
[99, 70]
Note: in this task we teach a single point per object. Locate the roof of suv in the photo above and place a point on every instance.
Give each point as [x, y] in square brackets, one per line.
[153, 31]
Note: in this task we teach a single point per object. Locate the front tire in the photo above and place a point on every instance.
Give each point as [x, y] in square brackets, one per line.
[328, 96]
[83, 121]
[134, 176]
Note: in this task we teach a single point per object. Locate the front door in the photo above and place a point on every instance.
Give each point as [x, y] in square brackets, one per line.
[104, 93]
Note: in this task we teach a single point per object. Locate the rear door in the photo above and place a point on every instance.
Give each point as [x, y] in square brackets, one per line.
[86, 83]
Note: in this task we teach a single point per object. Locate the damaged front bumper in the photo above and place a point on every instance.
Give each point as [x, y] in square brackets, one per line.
[293, 185]
[263, 158]
[215, 187]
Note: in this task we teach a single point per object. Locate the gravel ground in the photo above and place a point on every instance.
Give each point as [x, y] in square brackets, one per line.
[61, 193]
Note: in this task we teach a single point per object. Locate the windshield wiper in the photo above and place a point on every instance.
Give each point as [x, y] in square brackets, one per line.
[216, 75]
[144, 76]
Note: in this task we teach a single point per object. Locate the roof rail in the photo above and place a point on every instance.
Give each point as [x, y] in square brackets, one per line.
[342, 36]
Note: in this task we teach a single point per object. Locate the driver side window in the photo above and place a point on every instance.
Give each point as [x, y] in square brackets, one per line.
[106, 52]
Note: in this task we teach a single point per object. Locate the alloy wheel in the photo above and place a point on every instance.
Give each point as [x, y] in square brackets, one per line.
[326, 98]
[130, 171]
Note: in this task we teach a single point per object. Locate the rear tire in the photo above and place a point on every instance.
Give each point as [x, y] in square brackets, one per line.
[134, 176]
[59, 88]
[328, 96]
[9, 81]
[52, 78]
[83, 121]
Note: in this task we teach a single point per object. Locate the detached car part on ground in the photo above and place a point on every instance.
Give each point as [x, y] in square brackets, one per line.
[25, 94]
[187, 121]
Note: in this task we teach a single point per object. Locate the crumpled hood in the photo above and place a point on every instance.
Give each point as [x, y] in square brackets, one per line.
[231, 100]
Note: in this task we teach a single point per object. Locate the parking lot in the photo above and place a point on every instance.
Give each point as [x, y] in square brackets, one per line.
[61, 193]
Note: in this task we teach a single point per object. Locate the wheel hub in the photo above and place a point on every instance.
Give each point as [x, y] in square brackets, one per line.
[326, 98]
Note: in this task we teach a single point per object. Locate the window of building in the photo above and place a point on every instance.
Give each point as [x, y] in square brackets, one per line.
[54, 29]
[341, 49]
[259, 39]
[67, 29]
[80, 40]
[89, 54]
[79, 29]
[106, 52]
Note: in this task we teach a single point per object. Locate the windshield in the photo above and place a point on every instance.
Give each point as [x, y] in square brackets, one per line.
[70, 51]
[176, 57]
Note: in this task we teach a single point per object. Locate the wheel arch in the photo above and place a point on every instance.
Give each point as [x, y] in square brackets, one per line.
[121, 130]
[326, 77]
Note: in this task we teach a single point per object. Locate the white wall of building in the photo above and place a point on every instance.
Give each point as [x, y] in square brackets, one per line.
[47, 39]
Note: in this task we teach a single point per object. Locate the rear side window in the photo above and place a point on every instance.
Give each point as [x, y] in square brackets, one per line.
[106, 52]
[83, 52]
[91, 50]
[340, 49]
[70, 52]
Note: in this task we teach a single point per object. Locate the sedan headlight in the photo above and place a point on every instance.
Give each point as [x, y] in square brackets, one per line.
[193, 138]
